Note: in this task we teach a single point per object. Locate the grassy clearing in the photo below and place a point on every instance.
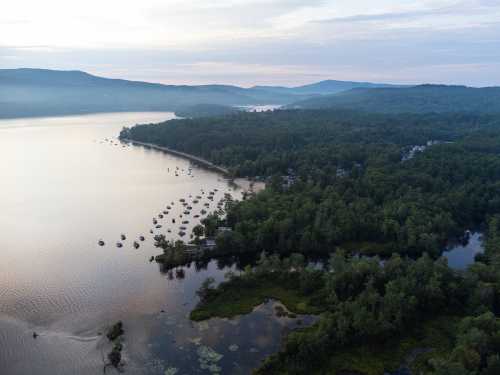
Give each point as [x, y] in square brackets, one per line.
[236, 300]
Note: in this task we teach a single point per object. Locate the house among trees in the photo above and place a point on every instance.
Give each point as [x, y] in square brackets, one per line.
[207, 244]
[223, 230]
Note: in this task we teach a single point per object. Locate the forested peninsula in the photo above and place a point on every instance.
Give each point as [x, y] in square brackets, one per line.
[380, 194]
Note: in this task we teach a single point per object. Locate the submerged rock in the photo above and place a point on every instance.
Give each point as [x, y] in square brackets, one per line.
[115, 331]
[115, 356]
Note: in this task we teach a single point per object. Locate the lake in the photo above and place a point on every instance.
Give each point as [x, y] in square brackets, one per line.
[68, 183]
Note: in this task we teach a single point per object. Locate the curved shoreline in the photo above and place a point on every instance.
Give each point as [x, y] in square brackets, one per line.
[191, 157]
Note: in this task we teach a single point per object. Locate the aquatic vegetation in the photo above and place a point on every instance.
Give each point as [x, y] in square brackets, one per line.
[208, 358]
[203, 326]
[171, 371]
[195, 340]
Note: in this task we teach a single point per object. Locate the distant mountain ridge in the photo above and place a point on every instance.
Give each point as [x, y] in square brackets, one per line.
[40, 92]
[417, 99]
[328, 87]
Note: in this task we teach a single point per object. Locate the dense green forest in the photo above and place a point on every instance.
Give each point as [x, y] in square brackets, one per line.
[375, 313]
[348, 182]
[417, 99]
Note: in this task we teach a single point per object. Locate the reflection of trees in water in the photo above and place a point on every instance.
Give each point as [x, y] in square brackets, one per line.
[180, 274]
[235, 262]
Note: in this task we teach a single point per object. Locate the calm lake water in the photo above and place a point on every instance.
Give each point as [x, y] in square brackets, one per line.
[461, 255]
[64, 187]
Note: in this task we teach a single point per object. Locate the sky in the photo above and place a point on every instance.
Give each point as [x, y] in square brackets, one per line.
[250, 42]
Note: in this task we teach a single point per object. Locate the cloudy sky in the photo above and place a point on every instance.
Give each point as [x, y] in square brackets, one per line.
[247, 42]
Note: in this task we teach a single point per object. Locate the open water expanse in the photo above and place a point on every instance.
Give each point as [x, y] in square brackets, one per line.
[67, 183]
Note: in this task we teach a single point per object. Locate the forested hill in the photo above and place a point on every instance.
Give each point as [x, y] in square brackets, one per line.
[351, 178]
[40, 92]
[35, 92]
[418, 99]
[266, 143]
[326, 87]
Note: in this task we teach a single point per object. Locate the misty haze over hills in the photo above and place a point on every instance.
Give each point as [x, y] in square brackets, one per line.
[416, 99]
[39, 92]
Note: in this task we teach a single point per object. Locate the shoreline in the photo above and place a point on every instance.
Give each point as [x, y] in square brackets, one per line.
[190, 157]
